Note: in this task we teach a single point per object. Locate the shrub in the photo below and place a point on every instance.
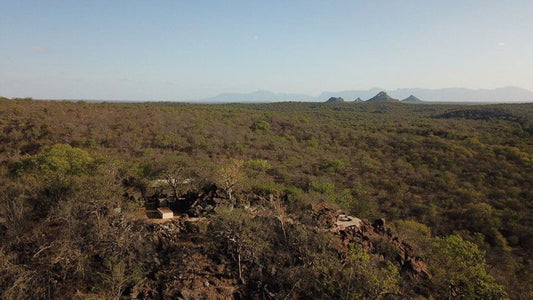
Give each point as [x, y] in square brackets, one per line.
[459, 270]
[260, 125]
[259, 165]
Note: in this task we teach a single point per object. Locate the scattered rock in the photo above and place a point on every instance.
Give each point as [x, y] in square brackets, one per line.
[324, 216]
[371, 236]
[379, 224]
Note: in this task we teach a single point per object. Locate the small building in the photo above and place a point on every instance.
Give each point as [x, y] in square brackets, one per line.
[165, 213]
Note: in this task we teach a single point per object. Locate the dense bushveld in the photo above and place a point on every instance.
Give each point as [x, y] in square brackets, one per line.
[454, 180]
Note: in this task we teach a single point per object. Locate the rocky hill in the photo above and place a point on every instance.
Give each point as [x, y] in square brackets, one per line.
[335, 100]
[412, 99]
[218, 259]
[382, 97]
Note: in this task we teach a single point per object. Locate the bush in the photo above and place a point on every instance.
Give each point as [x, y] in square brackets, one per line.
[58, 162]
[459, 270]
[323, 187]
[259, 165]
[260, 125]
[416, 234]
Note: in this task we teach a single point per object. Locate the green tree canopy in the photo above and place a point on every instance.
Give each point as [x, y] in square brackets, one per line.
[58, 163]
[459, 270]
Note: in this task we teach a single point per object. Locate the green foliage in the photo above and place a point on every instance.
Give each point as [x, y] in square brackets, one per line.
[459, 270]
[59, 162]
[345, 200]
[230, 176]
[298, 202]
[361, 276]
[332, 165]
[416, 234]
[260, 125]
[481, 217]
[267, 187]
[323, 187]
[259, 165]
[58, 169]
[376, 279]
[457, 169]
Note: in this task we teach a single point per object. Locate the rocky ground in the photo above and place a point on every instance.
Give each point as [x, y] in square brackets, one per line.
[188, 264]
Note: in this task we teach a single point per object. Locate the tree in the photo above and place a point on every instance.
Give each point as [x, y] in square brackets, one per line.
[59, 162]
[459, 270]
[175, 176]
[416, 234]
[482, 217]
[229, 176]
[58, 168]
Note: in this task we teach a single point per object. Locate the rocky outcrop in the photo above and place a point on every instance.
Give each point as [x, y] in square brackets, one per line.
[184, 266]
[192, 204]
[412, 99]
[184, 247]
[335, 100]
[374, 237]
[324, 216]
[382, 97]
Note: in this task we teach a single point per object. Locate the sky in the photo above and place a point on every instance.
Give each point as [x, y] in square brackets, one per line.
[185, 50]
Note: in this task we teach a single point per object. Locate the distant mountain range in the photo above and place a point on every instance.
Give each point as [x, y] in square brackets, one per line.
[505, 94]
[258, 96]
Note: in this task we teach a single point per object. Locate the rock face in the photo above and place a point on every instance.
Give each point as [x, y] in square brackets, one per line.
[372, 236]
[412, 99]
[189, 264]
[184, 266]
[203, 203]
[324, 216]
[382, 97]
[335, 100]
[357, 100]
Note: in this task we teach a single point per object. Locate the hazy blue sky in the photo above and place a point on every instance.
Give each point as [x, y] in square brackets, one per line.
[176, 50]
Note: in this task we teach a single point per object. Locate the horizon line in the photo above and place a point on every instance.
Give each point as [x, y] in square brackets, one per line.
[311, 98]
